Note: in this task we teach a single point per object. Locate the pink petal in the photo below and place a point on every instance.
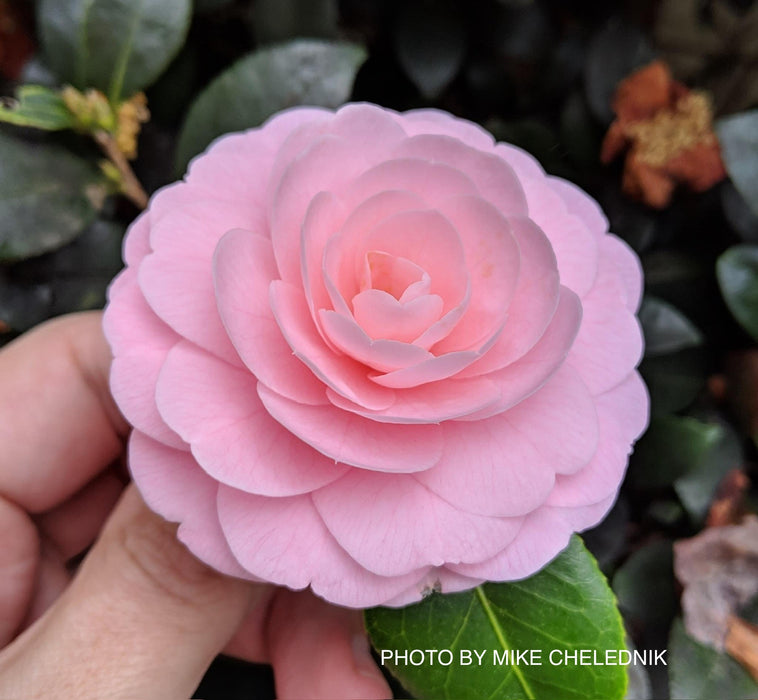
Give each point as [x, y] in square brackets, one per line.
[140, 342]
[525, 165]
[180, 291]
[493, 177]
[431, 370]
[322, 220]
[184, 223]
[579, 203]
[283, 540]
[534, 302]
[215, 408]
[352, 439]
[427, 239]
[243, 269]
[435, 121]
[133, 380]
[343, 374]
[575, 246]
[339, 260]
[630, 404]
[438, 579]
[560, 419]
[326, 165]
[493, 261]
[130, 325]
[381, 315]
[430, 403]
[628, 267]
[392, 525]
[383, 355]
[609, 343]
[545, 534]
[174, 486]
[511, 458]
[372, 130]
[523, 377]
[137, 240]
[237, 166]
[432, 182]
[623, 414]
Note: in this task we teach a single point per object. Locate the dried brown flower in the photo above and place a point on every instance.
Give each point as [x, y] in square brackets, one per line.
[668, 131]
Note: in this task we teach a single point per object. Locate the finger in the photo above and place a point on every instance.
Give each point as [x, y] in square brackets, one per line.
[58, 425]
[143, 618]
[73, 526]
[320, 651]
[18, 567]
[50, 582]
[249, 641]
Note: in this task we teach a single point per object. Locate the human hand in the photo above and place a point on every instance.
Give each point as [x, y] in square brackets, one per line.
[141, 617]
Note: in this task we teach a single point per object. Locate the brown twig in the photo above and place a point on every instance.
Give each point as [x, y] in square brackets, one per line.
[131, 186]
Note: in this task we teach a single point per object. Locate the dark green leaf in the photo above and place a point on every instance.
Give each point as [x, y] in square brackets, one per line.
[431, 46]
[738, 135]
[698, 671]
[737, 272]
[73, 278]
[649, 568]
[671, 447]
[279, 20]
[39, 107]
[616, 51]
[116, 46]
[566, 607]
[48, 196]
[302, 72]
[696, 488]
[674, 381]
[666, 329]
[689, 454]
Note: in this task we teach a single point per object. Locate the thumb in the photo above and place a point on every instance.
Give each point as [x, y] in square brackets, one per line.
[143, 618]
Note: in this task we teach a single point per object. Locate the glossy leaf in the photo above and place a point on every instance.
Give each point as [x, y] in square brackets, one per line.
[671, 447]
[698, 671]
[648, 568]
[738, 135]
[48, 196]
[39, 107]
[302, 72]
[566, 607]
[737, 272]
[666, 329]
[431, 46]
[116, 46]
[675, 380]
[698, 485]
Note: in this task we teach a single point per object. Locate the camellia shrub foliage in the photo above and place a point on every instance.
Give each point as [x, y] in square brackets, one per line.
[105, 102]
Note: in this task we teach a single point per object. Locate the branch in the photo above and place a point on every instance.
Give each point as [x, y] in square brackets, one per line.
[130, 185]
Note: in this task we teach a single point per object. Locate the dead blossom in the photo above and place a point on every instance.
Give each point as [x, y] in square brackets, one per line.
[667, 133]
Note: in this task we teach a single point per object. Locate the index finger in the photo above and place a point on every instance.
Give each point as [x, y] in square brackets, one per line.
[59, 425]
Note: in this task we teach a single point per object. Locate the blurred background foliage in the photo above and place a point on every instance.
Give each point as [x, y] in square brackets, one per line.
[552, 76]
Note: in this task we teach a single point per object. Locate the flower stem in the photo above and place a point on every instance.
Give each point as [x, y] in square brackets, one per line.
[130, 185]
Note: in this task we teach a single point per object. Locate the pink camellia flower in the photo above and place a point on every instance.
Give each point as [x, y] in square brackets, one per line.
[376, 353]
